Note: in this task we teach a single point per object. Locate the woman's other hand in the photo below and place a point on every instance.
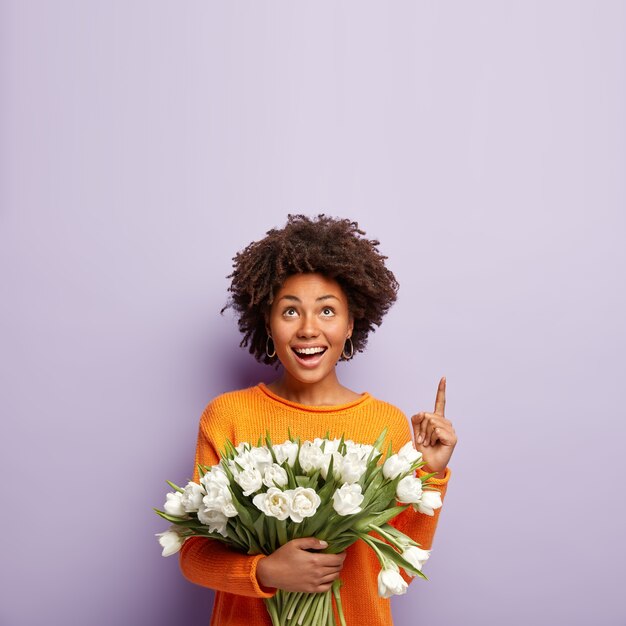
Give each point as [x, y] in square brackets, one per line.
[434, 435]
[293, 568]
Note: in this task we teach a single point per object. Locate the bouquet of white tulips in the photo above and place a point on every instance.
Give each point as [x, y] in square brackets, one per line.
[257, 498]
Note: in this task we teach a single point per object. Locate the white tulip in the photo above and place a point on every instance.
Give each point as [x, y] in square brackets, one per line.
[416, 557]
[274, 503]
[330, 445]
[287, 451]
[262, 458]
[347, 499]
[362, 450]
[430, 501]
[250, 480]
[304, 503]
[391, 583]
[170, 541]
[337, 465]
[409, 489]
[218, 498]
[408, 453]
[352, 468]
[311, 457]
[275, 476]
[243, 461]
[394, 466]
[174, 504]
[244, 446]
[216, 476]
[192, 497]
[214, 519]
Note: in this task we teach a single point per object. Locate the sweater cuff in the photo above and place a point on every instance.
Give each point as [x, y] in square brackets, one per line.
[210, 563]
[433, 480]
[261, 591]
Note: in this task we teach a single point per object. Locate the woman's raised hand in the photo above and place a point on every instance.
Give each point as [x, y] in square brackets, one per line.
[433, 433]
[293, 568]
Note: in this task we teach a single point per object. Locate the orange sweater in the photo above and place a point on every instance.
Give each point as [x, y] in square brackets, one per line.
[245, 415]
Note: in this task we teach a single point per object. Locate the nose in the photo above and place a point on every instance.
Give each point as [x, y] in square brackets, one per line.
[308, 326]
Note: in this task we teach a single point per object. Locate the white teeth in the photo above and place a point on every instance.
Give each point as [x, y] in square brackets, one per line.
[309, 350]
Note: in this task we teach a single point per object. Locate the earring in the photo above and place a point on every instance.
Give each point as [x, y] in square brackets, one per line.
[347, 357]
[267, 348]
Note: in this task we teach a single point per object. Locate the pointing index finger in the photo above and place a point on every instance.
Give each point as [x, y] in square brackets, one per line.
[440, 402]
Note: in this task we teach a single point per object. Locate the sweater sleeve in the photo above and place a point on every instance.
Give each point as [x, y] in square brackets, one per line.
[419, 526]
[208, 562]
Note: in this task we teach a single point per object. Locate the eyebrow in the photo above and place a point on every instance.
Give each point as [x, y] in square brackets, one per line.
[296, 299]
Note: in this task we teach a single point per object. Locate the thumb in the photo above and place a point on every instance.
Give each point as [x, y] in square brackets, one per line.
[310, 543]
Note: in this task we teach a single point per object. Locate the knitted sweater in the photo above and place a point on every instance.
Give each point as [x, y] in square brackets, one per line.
[245, 415]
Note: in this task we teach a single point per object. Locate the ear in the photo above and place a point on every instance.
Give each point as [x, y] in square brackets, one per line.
[350, 326]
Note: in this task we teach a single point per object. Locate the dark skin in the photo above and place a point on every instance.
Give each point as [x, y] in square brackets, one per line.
[309, 309]
[315, 571]
[434, 435]
[313, 310]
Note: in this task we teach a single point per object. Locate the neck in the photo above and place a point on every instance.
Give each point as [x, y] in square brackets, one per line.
[325, 392]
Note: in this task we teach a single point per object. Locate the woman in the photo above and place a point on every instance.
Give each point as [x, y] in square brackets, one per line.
[306, 297]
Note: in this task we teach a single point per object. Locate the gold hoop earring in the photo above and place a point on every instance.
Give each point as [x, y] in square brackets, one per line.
[267, 348]
[347, 357]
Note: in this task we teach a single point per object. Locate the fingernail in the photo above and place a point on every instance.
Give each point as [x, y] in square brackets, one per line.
[419, 439]
[323, 544]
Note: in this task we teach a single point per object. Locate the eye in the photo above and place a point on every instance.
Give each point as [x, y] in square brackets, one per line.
[290, 312]
[328, 311]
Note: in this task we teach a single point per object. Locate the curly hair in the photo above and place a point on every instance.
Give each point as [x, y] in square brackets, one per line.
[330, 246]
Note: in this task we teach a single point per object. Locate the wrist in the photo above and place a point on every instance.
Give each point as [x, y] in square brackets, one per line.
[263, 575]
[429, 470]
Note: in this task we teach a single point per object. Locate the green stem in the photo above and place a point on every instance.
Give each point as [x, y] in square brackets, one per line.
[390, 538]
[281, 531]
[381, 557]
[270, 605]
[291, 604]
[337, 595]
[331, 611]
[319, 607]
[305, 608]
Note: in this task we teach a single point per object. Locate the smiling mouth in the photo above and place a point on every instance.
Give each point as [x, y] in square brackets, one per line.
[309, 354]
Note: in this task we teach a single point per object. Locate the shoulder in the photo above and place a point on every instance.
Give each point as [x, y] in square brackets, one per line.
[229, 403]
[395, 419]
[387, 408]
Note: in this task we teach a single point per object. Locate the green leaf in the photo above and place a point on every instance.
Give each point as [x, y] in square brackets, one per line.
[379, 442]
[253, 545]
[268, 443]
[281, 531]
[170, 518]
[297, 469]
[175, 487]
[396, 557]
[341, 447]
[259, 527]
[271, 532]
[426, 477]
[291, 477]
[244, 513]
[378, 519]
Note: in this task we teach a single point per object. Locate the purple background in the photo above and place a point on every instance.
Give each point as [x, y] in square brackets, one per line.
[144, 142]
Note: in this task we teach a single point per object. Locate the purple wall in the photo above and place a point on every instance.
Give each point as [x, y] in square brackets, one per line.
[144, 143]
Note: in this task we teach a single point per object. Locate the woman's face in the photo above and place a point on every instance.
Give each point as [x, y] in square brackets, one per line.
[309, 322]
